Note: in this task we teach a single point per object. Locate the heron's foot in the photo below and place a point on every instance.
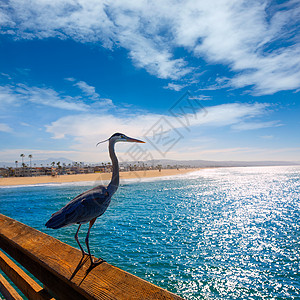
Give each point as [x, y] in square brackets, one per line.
[84, 253]
[96, 262]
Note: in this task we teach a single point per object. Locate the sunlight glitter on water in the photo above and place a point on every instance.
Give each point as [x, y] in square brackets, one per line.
[230, 233]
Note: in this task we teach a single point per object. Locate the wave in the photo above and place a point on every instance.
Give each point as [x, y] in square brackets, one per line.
[75, 183]
[190, 175]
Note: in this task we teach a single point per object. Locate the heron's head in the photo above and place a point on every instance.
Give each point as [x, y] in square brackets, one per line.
[120, 137]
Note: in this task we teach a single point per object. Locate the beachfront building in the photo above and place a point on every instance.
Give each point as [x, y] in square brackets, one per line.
[3, 172]
[26, 171]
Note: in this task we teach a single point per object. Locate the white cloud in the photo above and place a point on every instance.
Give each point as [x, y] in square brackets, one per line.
[49, 97]
[8, 97]
[255, 125]
[25, 124]
[86, 129]
[87, 89]
[90, 92]
[5, 128]
[96, 126]
[256, 40]
[273, 73]
[5, 75]
[158, 62]
[175, 87]
[231, 113]
[19, 94]
[240, 34]
[71, 79]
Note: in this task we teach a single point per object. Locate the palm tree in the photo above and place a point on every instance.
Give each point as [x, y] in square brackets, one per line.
[22, 155]
[59, 167]
[30, 157]
[16, 162]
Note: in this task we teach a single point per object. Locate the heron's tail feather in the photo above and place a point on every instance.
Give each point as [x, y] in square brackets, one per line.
[56, 221]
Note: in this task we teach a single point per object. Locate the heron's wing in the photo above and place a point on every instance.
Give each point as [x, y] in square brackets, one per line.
[82, 208]
[92, 204]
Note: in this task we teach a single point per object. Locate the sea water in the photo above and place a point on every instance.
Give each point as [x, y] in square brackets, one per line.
[226, 233]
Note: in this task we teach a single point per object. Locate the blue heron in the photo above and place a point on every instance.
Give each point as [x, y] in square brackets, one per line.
[90, 205]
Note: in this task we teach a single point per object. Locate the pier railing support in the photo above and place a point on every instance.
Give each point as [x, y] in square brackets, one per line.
[62, 270]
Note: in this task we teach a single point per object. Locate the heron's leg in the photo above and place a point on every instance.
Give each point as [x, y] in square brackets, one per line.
[77, 240]
[100, 260]
[87, 239]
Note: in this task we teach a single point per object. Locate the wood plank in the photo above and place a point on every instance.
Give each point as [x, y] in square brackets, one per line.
[57, 265]
[31, 289]
[7, 291]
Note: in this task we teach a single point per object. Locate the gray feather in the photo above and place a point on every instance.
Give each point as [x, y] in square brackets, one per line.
[84, 207]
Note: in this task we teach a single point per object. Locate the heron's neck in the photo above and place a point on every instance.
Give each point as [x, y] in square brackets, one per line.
[114, 183]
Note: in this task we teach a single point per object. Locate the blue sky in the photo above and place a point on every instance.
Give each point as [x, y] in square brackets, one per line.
[74, 72]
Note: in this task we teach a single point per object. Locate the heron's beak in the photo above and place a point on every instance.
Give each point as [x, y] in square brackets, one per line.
[102, 142]
[131, 140]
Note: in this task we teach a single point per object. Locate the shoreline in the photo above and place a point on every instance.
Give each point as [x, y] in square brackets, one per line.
[12, 181]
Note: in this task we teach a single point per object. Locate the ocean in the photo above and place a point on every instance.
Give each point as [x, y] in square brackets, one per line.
[224, 233]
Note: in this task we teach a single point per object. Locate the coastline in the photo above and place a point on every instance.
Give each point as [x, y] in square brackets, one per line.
[11, 181]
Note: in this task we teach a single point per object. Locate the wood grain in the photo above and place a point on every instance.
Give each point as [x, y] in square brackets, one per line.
[7, 290]
[31, 289]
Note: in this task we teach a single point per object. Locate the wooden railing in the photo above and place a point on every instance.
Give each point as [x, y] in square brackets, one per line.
[62, 271]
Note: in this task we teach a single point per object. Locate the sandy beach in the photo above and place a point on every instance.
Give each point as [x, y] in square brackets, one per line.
[91, 177]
